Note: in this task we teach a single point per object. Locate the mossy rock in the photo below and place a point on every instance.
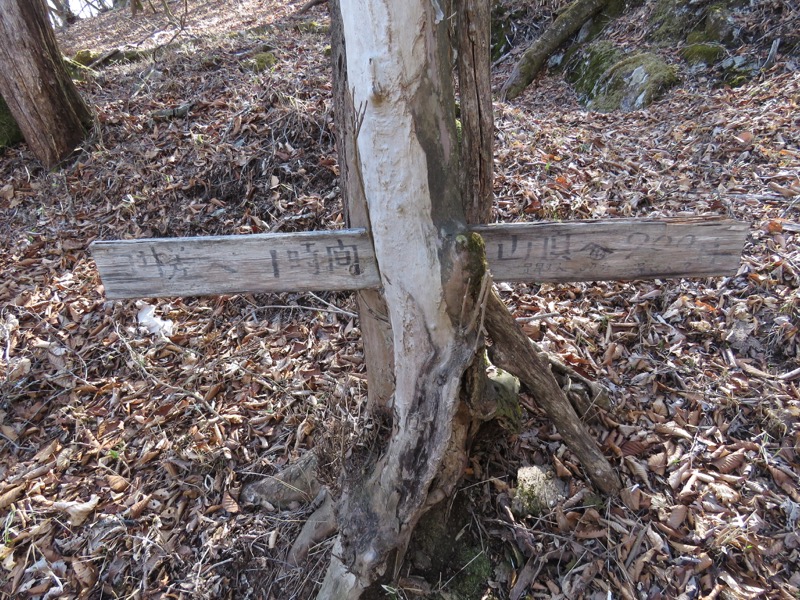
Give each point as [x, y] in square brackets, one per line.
[675, 20]
[584, 70]
[86, 57]
[9, 130]
[703, 53]
[719, 25]
[632, 83]
[671, 20]
[738, 70]
[538, 491]
[261, 62]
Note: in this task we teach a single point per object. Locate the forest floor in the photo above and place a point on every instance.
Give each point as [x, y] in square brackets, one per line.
[125, 439]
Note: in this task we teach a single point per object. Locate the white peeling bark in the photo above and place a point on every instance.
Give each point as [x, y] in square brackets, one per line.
[400, 76]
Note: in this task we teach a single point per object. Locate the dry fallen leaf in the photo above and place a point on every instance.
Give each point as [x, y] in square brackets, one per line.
[638, 469]
[117, 482]
[731, 462]
[10, 496]
[86, 572]
[78, 511]
[631, 497]
[137, 508]
[677, 516]
[229, 504]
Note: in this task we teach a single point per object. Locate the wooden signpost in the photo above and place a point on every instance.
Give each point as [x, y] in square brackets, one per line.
[612, 249]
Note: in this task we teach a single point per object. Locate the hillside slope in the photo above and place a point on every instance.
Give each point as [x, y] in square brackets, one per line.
[124, 442]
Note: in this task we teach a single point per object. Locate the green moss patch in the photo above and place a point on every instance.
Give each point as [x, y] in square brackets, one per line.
[719, 25]
[437, 555]
[670, 20]
[702, 54]
[607, 80]
[9, 130]
[261, 62]
[587, 68]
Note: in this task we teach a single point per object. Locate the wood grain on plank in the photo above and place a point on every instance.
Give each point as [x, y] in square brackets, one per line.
[281, 262]
[611, 249]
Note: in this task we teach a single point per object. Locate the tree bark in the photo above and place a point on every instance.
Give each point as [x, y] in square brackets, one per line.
[35, 84]
[431, 271]
[567, 23]
[473, 35]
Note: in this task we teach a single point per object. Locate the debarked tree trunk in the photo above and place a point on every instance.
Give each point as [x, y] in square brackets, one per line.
[432, 273]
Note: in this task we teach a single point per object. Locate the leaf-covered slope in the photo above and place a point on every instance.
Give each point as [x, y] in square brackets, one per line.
[123, 448]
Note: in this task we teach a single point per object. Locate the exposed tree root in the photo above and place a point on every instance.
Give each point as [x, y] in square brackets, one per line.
[320, 525]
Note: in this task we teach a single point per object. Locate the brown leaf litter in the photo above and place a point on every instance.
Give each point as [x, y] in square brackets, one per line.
[124, 447]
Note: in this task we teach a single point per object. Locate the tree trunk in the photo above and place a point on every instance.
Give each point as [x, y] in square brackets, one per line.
[567, 23]
[376, 331]
[431, 271]
[64, 12]
[473, 35]
[512, 350]
[35, 84]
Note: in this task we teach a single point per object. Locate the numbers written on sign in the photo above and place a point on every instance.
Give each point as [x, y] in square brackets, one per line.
[344, 260]
[265, 262]
[608, 250]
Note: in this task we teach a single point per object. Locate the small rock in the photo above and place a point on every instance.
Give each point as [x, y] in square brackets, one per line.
[538, 491]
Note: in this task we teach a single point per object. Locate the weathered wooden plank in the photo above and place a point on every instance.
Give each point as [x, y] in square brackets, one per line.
[280, 262]
[612, 249]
